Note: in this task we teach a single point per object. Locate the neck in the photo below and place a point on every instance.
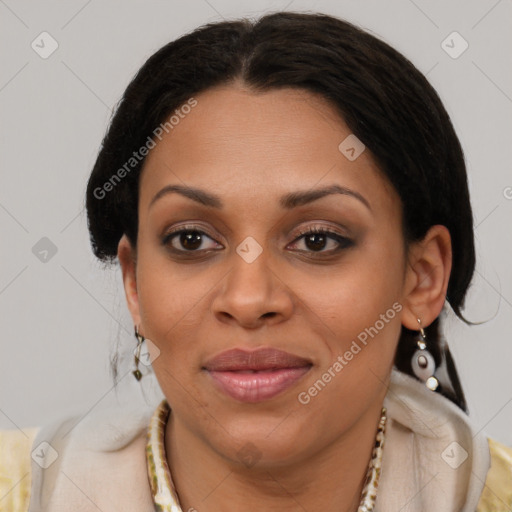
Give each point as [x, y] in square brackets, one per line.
[330, 480]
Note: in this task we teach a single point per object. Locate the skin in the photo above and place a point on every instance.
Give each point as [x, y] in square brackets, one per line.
[312, 301]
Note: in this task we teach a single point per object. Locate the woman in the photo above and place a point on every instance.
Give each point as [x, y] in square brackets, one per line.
[288, 202]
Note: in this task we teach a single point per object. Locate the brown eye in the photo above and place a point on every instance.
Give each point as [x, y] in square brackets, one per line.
[317, 239]
[190, 240]
[187, 240]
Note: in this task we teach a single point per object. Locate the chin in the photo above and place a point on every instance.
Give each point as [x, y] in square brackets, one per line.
[259, 441]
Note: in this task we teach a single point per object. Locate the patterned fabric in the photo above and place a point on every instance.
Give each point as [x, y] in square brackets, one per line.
[369, 494]
[162, 486]
[164, 493]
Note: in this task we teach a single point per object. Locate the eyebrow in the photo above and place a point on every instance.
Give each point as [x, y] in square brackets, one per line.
[288, 201]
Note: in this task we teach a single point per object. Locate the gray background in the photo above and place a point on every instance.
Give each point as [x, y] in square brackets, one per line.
[61, 318]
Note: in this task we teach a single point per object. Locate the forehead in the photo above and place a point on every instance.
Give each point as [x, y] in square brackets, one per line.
[250, 146]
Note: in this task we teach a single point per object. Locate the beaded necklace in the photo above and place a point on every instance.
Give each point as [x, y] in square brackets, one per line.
[164, 493]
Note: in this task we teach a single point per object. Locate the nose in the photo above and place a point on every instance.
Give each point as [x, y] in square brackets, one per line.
[252, 294]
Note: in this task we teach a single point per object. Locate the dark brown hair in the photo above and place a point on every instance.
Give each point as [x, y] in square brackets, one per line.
[385, 101]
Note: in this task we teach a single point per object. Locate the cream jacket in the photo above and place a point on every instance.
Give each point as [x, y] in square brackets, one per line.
[434, 460]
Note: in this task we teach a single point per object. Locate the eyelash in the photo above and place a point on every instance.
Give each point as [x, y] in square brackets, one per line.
[344, 242]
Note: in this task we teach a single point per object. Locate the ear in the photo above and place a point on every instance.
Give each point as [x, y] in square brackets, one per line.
[427, 275]
[126, 256]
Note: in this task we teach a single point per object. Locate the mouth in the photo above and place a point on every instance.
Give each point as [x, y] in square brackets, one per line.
[256, 376]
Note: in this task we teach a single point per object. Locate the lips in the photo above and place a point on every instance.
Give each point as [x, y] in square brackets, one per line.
[257, 375]
[260, 359]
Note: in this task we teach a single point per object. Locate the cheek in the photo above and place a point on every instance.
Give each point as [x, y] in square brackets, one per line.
[360, 330]
[358, 310]
[167, 292]
[170, 310]
[352, 297]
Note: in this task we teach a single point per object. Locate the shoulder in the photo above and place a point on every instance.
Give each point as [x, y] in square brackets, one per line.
[15, 468]
[497, 493]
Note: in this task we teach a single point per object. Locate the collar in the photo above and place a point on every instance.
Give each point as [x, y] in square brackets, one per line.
[436, 460]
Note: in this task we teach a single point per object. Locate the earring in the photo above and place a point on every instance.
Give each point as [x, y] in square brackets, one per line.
[140, 340]
[423, 362]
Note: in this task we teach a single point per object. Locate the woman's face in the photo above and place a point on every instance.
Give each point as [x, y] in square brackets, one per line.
[242, 276]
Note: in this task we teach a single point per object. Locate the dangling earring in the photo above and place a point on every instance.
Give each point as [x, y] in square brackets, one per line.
[140, 340]
[423, 362]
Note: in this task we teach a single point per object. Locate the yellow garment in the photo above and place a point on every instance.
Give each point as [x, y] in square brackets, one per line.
[497, 493]
[15, 470]
[15, 476]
